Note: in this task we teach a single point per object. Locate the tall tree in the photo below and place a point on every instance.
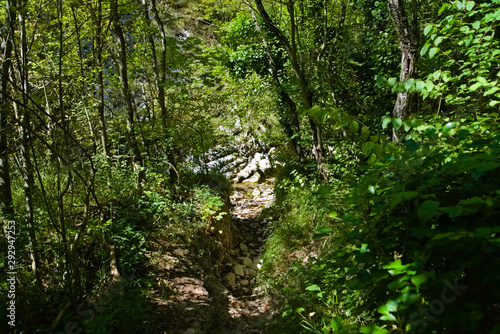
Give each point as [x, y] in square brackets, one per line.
[408, 43]
[127, 94]
[160, 70]
[307, 96]
[7, 33]
[25, 130]
[291, 123]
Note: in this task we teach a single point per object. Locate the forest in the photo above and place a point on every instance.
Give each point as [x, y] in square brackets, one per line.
[249, 166]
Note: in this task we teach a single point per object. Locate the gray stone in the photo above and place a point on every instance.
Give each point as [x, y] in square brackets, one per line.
[238, 270]
[237, 195]
[243, 247]
[244, 282]
[247, 262]
[231, 277]
[253, 179]
[252, 272]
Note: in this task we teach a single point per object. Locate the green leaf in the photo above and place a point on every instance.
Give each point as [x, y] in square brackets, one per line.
[336, 323]
[388, 317]
[424, 50]
[397, 265]
[429, 85]
[409, 83]
[392, 305]
[491, 91]
[419, 85]
[427, 210]
[432, 52]
[353, 126]
[367, 148]
[365, 132]
[383, 309]
[475, 87]
[402, 197]
[379, 275]
[396, 123]
[373, 329]
[386, 120]
[407, 125]
[443, 8]
[452, 211]
[469, 5]
[318, 114]
[313, 287]
[418, 280]
[448, 126]
[391, 81]
[428, 29]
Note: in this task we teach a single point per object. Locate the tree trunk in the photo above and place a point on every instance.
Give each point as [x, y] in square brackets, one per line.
[408, 43]
[6, 206]
[100, 80]
[98, 46]
[127, 95]
[291, 123]
[25, 145]
[161, 75]
[306, 94]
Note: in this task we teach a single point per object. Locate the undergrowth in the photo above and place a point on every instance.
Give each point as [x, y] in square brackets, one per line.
[409, 248]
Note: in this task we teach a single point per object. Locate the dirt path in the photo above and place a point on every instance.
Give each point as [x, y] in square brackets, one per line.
[195, 297]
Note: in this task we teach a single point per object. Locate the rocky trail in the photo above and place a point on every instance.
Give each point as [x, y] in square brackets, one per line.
[195, 296]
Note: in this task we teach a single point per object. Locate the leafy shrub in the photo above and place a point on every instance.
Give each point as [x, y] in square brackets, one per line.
[415, 241]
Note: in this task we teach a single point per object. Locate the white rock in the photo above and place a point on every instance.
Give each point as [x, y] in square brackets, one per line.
[254, 179]
[237, 195]
[264, 164]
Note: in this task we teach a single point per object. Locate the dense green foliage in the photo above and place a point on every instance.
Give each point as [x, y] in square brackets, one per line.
[411, 247]
[110, 111]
